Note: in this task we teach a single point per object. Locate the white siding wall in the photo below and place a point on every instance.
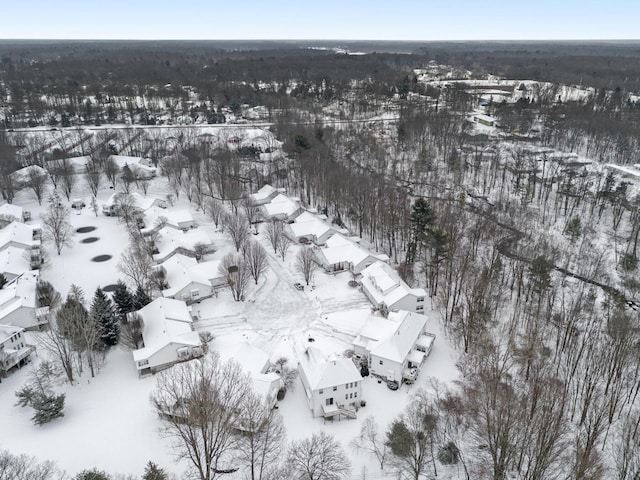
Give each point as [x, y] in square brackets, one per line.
[388, 370]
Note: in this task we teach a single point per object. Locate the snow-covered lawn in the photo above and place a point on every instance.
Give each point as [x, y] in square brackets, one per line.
[109, 422]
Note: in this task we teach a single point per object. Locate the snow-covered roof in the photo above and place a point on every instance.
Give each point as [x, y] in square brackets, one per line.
[174, 218]
[171, 240]
[19, 292]
[340, 249]
[252, 360]
[282, 205]
[165, 321]
[122, 160]
[22, 175]
[323, 372]
[182, 271]
[385, 285]
[137, 200]
[264, 383]
[7, 331]
[309, 224]
[265, 194]
[20, 233]
[8, 210]
[396, 347]
[14, 260]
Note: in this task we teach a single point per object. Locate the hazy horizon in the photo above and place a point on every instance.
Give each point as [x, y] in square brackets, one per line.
[413, 20]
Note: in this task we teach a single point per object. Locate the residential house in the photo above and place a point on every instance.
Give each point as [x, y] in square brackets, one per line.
[186, 279]
[22, 176]
[341, 253]
[167, 334]
[139, 203]
[281, 207]
[142, 168]
[382, 285]
[332, 385]
[14, 261]
[255, 363]
[264, 195]
[171, 242]
[10, 213]
[309, 227]
[19, 305]
[14, 349]
[77, 165]
[485, 120]
[155, 218]
[396, 346]
[25, 237]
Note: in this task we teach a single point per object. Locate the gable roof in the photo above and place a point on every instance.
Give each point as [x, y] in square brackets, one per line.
[282, 205]
[396, 347]
[341, 249]
[252, 360]
[19, 292]
[326, 372]
[14, 260]
[385, 285]
[172, 239]
[182, 270]
[18, 232]
[7, 331]
[165, 321]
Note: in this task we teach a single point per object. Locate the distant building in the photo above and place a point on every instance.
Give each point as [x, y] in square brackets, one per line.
[341, 253]
[19, 304]
[190, 281]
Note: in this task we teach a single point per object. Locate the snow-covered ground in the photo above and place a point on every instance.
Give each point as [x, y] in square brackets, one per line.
[109, 422]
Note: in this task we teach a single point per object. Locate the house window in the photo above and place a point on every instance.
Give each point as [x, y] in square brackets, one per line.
[355, 395]
[346, 396]
[335, 388]
[420, 308]
[195, 293]
[381, 362]
[351, 395]
[355, 384]
[420, 299]
[321, 392]
[329, 401]
[143, 363]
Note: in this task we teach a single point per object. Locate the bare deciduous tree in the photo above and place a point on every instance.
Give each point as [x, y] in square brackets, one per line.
[37, 182]
[135, 264]
[283, 243]
[199, 402]
[215, 208]
[306, 264]
[273, 233]
[370, 441]
[238, 229]
[320, 457]
[57, 226]
[25, 467]
[256, 258]
[236, 273]
[262, 439]
[111, 171]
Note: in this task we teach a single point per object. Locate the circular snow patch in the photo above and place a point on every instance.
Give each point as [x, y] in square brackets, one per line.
[85, 229]
[89, 240]
[101, 258]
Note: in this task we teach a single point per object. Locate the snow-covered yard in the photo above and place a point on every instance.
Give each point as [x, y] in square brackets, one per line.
[109, 422]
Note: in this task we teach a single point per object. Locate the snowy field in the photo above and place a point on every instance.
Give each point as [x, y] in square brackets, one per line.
[109, 422]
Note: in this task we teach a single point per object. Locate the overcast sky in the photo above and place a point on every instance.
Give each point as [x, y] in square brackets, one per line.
[325, 19]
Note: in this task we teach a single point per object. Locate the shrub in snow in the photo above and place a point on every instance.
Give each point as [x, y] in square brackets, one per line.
[449, 454]
[93, 474]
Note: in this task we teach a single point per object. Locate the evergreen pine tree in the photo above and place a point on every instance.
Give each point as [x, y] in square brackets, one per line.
[104, 314]
[48, 406]
[123, 299]
[93, 474]
[154, 472]
[140, 298]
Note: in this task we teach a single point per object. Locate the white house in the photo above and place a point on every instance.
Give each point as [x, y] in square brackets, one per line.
[142, 168]
[281, 207]
[311, 228]
[14, 349]
[171, 242]
[21, 177]
[14, 261]
[10, 213]
[264, 195]
[24, 237]
[181, 219]
[332, 385]
[77, 165]
[341, 253]
[396, 347]
[188, 280]
[19, 302]
[255, 363]
[137, 201]
[382, 284]
[168, 336]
